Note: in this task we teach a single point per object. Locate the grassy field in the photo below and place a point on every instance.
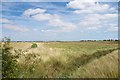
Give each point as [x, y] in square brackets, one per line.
[66, 59]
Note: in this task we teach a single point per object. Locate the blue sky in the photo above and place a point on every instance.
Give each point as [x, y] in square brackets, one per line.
[51, 21]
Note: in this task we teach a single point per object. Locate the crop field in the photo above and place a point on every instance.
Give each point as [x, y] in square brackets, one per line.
[66, 59]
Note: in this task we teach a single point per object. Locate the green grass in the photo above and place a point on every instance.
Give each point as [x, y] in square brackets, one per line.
[81, 47]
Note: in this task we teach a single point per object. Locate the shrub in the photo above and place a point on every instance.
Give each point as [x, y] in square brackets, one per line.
[34, 45]
[9, 65]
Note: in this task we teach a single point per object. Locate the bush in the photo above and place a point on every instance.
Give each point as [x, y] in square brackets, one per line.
[9, 65]
[34, 45]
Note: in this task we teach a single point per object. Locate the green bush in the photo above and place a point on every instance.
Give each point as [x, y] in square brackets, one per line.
[34, 45]
[9, 64]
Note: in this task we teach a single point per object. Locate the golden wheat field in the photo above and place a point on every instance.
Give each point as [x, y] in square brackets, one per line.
[66, 59]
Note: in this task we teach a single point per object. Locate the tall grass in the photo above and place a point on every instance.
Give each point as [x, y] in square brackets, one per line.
[67, 60]
[104, 67]
[56, 67]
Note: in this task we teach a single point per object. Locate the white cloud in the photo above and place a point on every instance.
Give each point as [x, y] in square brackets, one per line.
[10, 26]
[77, 4]
[109, 16]
[14, 27]
[52, 19]
[113, 27]
[102, 16]
[93, 9]
[44, 17]
[96, 21]
[3, 20]
[92, 6]
[30, 12]
[66, 26]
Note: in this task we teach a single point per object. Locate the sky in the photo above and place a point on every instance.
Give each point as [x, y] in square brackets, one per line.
[59, 21]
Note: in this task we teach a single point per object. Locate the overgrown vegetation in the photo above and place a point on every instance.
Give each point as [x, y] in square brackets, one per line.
[9, 64]
[60, 60]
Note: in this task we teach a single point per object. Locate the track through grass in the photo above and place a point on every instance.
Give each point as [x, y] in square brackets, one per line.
[84, 59]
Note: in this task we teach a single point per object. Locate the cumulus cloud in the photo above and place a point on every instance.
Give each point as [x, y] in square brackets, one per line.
[97, 15]
[52, 19]
[79, 4]
[92, 6]
[96, 21]
[30, 12]
[93, 9]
